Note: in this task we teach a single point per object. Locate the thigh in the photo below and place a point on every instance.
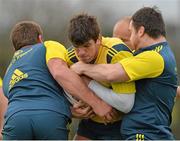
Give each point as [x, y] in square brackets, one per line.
[18, 127]
[78, 137]
[85, 130]
[99, 131]
[49, 125]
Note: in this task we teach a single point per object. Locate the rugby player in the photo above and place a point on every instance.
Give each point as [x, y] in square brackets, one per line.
[90, 47]
[38, 108]
[153, 66]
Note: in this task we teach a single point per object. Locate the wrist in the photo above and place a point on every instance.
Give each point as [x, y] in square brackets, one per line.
[94, 101]
[84, 68]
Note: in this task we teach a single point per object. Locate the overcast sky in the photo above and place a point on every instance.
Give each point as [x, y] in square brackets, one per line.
[54, 15]
[12, 9]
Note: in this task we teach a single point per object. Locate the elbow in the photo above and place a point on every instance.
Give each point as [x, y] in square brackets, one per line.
[124, 102]
[110, 77]
[59, 74]
[117, 74]
[114, 73]
[129, 103]
[128, 107]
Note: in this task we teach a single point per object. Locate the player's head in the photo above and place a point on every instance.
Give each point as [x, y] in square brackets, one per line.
[146, 22]
[84, 34]
[121, 30]
[25, 33]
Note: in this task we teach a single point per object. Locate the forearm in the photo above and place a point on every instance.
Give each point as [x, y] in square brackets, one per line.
[105, 72]
[122, 102]
[71, 82]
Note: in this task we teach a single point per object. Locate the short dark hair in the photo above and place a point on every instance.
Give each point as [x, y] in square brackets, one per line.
[25, 33]
[151, 19]
[83, 28]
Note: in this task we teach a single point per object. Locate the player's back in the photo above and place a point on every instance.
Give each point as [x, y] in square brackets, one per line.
[29, 84]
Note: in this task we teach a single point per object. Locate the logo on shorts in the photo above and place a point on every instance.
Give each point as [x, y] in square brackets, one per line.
[139, 137]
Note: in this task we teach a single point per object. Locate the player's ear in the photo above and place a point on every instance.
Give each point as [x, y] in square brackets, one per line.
[99, 40]
[141, 31]
[40, 38]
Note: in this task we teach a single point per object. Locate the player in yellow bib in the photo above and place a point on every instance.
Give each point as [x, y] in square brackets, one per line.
[90, 47]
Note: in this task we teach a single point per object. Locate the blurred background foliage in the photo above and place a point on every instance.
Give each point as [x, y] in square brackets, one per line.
[54, 15]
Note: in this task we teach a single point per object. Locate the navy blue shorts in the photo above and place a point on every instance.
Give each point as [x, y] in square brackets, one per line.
[99, 131]
[36, 124]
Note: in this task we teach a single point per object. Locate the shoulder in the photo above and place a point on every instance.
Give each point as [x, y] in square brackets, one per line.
[71, 56]
[71, 52]
[55, 49]
[54, 44]
[152, 56]
[110, 41]
[115, 44]
[116, 49]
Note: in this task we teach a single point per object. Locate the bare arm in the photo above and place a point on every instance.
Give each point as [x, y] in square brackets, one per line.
[3, 107]
[74, 85]
[102, 72]
[129, 68]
